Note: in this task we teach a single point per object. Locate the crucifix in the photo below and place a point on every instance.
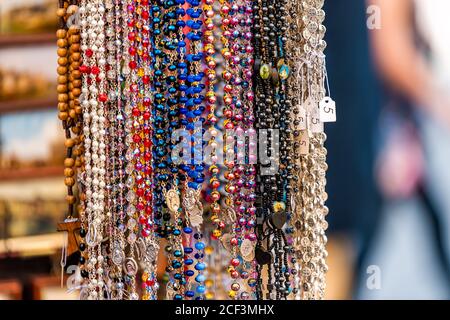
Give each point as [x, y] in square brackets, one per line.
[71, 226]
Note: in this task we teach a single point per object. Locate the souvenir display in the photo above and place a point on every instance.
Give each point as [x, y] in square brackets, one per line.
[195, 164]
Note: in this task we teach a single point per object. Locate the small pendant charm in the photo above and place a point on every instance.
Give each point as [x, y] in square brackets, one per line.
[172, 200]
[189, 199]
[247, 250]
[130, 267]
[264, 71]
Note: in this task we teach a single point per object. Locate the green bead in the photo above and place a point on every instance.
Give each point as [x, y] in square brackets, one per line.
[264, 71]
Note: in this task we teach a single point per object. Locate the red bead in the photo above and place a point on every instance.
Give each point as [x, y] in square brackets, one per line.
[136, 138]
[234, 241]
[89, 53]
[142, 219]
[147, 115]
[102, 97]
[131, 36]
[147, 143]
[132, 51]
[95, 70]
[136, 112]
[132, 64]
[85, 69]
[235, 262]
[140, 192]
[146, 79]
[144, 14]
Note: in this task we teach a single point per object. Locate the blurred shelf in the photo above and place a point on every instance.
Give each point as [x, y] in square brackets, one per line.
[27, 104]
[39, 245]
[31, 173]
[19, 40]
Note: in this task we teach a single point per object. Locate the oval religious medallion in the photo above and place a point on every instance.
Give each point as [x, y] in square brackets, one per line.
[247, 250]
[118, 256]
[130, 267]
[172, 200]
[189, 199]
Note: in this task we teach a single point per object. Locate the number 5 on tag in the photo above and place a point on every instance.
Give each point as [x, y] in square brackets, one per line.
[327, 110]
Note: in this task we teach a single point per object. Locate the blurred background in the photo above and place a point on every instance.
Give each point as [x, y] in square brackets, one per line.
[388, 183]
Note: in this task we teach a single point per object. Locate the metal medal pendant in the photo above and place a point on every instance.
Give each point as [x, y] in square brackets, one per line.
[152, 251]
[189, 199]
[247, 250]
[118, 257]
[172, 200]
[130, 267]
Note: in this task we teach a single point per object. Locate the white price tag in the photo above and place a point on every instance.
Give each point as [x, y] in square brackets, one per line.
[314, 123]
[327, 110]
[304, 142]
[301, 117]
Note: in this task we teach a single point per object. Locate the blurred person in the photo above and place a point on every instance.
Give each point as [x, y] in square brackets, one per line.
[353, 199]
[411, 50]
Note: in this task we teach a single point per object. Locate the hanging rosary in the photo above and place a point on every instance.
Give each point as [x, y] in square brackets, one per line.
[195, 164]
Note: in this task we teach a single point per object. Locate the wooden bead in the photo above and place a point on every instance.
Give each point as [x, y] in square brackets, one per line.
[69, 162]
[72, 114]
[61, 88]
[76, 152]
[78, 163]
[75, 47]
[62, 52]
[76, 92]
[68, 172]
[69, 182]
[61, 12]
[76, 74]
[75, 38]
[78, 110]
[73, 29]
[62, 106]
[61, 34]
[62, 79]
[76, 130]
[76, 56]
[76, 84]
[75, 65]
[63, 61]
[63, 97]
[62, 43]
[82, 196]
[71, 199]
[63, 116]
[69, 143]
[61, 70]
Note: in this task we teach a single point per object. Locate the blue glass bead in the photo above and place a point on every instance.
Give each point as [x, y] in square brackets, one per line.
[199, 246]
[188, 262]
[189, 273]
[177, 232]
[176, 264]
[177, 253]
[178, 297]
[190, 294]
[200, 278]
[200, 266]
[178, 276]
[188, 250]
[200, 289]
[199, 179]
[193, 185]
[187, 230]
